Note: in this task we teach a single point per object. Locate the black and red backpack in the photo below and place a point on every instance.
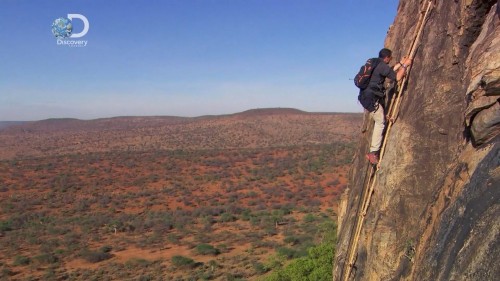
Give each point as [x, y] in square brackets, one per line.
[362, 79]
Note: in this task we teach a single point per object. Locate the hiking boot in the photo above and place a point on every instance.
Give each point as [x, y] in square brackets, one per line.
[372, 157]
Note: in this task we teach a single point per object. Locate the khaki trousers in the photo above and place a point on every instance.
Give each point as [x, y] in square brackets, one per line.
[379, 117]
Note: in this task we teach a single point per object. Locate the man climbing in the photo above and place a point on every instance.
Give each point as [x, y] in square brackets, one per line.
[371, 96]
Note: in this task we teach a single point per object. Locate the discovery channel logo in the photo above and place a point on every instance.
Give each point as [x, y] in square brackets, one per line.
[62, 28]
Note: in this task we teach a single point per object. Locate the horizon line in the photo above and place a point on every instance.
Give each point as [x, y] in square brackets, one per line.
[196, 116]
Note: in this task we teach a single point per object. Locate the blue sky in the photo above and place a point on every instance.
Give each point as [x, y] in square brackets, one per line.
[186, 57]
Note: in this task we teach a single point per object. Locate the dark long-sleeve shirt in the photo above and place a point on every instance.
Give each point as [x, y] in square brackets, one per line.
[379, 74]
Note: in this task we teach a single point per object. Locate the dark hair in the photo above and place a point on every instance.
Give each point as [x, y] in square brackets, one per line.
[384, 53]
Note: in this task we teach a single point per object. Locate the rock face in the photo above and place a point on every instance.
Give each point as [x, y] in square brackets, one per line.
[434, 214]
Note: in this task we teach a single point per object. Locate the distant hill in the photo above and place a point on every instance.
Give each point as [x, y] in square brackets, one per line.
[6, 124]
[249, 129]
[270, 111]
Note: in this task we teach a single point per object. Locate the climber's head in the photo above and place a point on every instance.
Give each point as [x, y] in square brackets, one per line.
[385, 54]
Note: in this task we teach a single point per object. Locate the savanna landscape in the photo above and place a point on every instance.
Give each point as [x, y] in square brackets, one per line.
[248, 196]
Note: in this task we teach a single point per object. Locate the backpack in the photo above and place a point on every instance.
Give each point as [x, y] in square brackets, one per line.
[362, 79]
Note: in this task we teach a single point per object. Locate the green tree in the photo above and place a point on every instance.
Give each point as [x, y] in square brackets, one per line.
[22, 260]
[316, 266]
[181, 261]
[207, 249]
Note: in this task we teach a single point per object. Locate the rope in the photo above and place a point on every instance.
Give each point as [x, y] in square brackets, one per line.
[367, 194]
[361, 213]
[394, 110]
[419, 24]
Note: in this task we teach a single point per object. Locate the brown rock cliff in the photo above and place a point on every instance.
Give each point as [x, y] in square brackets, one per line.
[434, 214]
